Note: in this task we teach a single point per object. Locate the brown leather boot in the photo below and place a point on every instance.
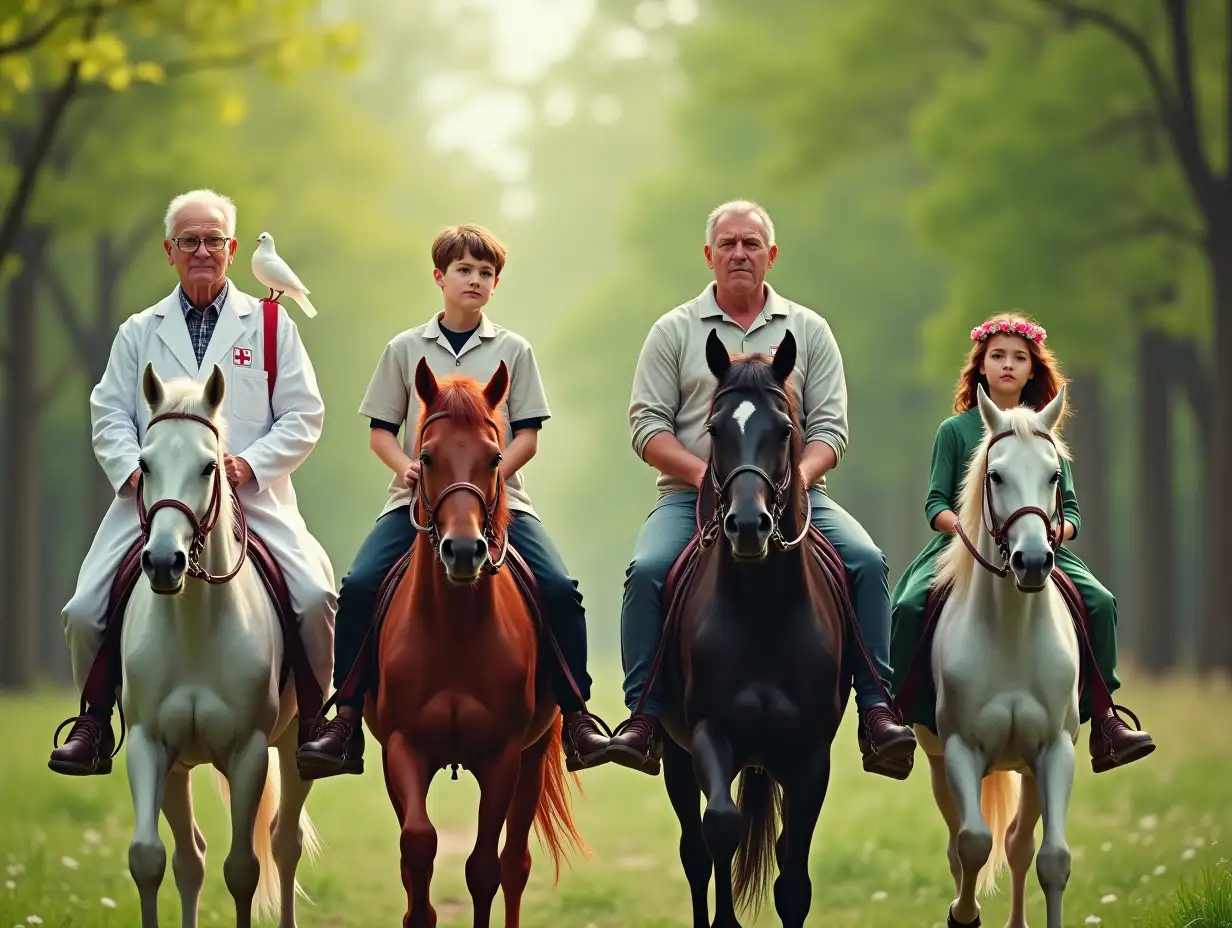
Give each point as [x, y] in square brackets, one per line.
[88, 750]
[1115, 744]
[337, 748]
[636, 744]
[584, 740]
[887, 746]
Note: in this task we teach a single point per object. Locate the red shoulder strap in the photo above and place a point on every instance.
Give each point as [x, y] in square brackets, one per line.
[270, 311]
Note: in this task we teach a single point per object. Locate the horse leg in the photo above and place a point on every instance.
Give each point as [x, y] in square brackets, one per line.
[715, 769]
[694, 856]
[498, 781]
[515, 856]
[246, 770]
[949, 812]
[292, 827]
[407, 778]
[1020, 849]
[188, 861]
[147, 857]
[1054, 772]
[965, 772]
[802, 801]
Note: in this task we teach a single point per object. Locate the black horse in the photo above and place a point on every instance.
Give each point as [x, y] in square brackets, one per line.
[754, 655]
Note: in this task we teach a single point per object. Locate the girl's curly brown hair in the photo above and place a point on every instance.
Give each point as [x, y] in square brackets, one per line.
[1040, 389]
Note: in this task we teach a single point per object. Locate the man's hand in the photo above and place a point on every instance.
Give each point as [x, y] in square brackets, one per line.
[238, 470]
[411, 477]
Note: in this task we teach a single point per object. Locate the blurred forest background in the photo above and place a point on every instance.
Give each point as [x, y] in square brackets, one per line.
[926, 164]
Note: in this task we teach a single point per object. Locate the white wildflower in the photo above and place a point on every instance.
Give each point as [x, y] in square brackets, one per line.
[1147, 822]
[70, 863]
[1092, 920]
[1106, 846]
[1160, 870]
[9, 884]
[108, 902]
[1188, 854]
[880, 896]
[15, 869]
[34, 920]
[92, 837]
[1108, 898]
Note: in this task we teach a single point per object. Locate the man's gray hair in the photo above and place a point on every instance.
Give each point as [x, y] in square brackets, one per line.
[741, 207]
[202, 197]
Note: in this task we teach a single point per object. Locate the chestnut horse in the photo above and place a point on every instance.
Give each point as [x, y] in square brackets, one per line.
[457, 657]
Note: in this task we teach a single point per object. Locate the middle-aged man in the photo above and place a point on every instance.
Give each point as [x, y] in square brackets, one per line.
[667, 415]
[205, 321]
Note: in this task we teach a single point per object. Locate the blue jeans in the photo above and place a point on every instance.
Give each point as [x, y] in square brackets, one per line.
[666, 532]
[393, 535]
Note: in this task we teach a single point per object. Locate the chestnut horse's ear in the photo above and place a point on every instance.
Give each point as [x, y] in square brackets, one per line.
[495, 389]
[784, 357]
[716, 355]
[425, 383]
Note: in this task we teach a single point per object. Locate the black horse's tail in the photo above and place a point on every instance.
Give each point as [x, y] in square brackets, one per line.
[760, 799]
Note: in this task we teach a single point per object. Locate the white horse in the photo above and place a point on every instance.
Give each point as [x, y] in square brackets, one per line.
[202, 652]
[1005, 659]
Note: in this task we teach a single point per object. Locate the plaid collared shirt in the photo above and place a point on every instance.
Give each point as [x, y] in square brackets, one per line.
[201, 322]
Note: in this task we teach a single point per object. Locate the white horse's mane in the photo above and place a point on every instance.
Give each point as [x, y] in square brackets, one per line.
[954, 566]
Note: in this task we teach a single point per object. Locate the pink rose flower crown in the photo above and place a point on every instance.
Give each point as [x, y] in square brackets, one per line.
[1027, 330]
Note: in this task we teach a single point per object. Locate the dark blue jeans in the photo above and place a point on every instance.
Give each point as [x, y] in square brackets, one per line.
[665, 534]
[393, 535]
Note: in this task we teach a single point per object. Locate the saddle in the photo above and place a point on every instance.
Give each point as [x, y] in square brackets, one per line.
[367, 658]
[106, 674]
[684, 571]
[937, 598]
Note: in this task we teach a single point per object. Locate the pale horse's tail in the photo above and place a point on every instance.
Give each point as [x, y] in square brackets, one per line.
[998, 801]
[268, 900]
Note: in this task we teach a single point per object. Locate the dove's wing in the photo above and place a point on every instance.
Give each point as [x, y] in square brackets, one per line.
[278, 274]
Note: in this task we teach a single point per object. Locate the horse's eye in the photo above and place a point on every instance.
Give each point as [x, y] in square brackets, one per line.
[786, 436]
[145, 468]
[1055, 477]
[425, 459]
[209, 469]
[994, 476]
[496, 460]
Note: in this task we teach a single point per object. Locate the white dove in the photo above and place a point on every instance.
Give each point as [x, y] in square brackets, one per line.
[273, 272]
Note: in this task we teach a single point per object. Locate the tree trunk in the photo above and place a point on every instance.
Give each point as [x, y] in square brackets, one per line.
[22, 612]
[1214, 626]
[1089, 436]
[1157, 634]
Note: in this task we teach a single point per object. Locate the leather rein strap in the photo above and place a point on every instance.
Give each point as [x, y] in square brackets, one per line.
[429, 526]
[1000, 532]
[201, 527]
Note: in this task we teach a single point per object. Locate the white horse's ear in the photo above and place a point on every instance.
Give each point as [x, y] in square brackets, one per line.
[152, 388]
[215, 389]
[989, 412]
[1050, 415]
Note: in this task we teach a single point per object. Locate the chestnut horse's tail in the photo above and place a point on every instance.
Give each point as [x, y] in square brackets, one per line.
[554, 816]
[760, 799]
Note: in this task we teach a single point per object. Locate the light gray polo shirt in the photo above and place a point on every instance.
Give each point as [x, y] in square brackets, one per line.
[391, 392]
[672, 384]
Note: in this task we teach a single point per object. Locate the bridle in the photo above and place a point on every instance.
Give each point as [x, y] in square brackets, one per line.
[1000, 532]
[429, 526]
[709, 532]
[201, 527]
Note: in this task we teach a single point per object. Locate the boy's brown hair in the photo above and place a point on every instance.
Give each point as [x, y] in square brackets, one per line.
[453, 243]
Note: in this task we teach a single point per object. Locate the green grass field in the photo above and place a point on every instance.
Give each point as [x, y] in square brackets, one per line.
[1138, 836]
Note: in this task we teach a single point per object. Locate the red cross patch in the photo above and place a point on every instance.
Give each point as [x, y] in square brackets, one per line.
[241, 357]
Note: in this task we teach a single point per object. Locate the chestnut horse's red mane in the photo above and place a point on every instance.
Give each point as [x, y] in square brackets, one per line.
[461, 397]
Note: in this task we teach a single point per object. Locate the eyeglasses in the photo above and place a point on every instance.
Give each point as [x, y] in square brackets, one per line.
[191, 243]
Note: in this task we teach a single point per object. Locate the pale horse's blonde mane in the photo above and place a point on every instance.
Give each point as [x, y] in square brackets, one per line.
[955, 564]
[186, 395]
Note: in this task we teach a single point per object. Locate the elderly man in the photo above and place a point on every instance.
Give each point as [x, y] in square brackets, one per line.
[205, 321]
[667, 416]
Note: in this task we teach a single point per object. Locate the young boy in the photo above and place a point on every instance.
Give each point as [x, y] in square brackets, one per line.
[461, 340]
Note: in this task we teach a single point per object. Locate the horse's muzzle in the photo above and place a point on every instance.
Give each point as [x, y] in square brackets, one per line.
[463, 558]
[165, 570]
[748, 531]
[1032, 569]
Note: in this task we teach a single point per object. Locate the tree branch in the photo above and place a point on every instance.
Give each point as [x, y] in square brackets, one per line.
[1145, 227]
[186, 66]
[1181, 130]
[66, 309]
[1188, 131]
[38, 33]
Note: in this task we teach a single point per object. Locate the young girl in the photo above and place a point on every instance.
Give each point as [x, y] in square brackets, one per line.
[1010, 360]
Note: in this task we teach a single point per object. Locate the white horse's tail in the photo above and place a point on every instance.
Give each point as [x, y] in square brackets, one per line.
[998, 801]
[268, 900]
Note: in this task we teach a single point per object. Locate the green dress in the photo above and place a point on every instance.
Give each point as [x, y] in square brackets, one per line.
[957, 438]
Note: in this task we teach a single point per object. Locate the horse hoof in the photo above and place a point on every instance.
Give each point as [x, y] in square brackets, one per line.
[952, 922]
